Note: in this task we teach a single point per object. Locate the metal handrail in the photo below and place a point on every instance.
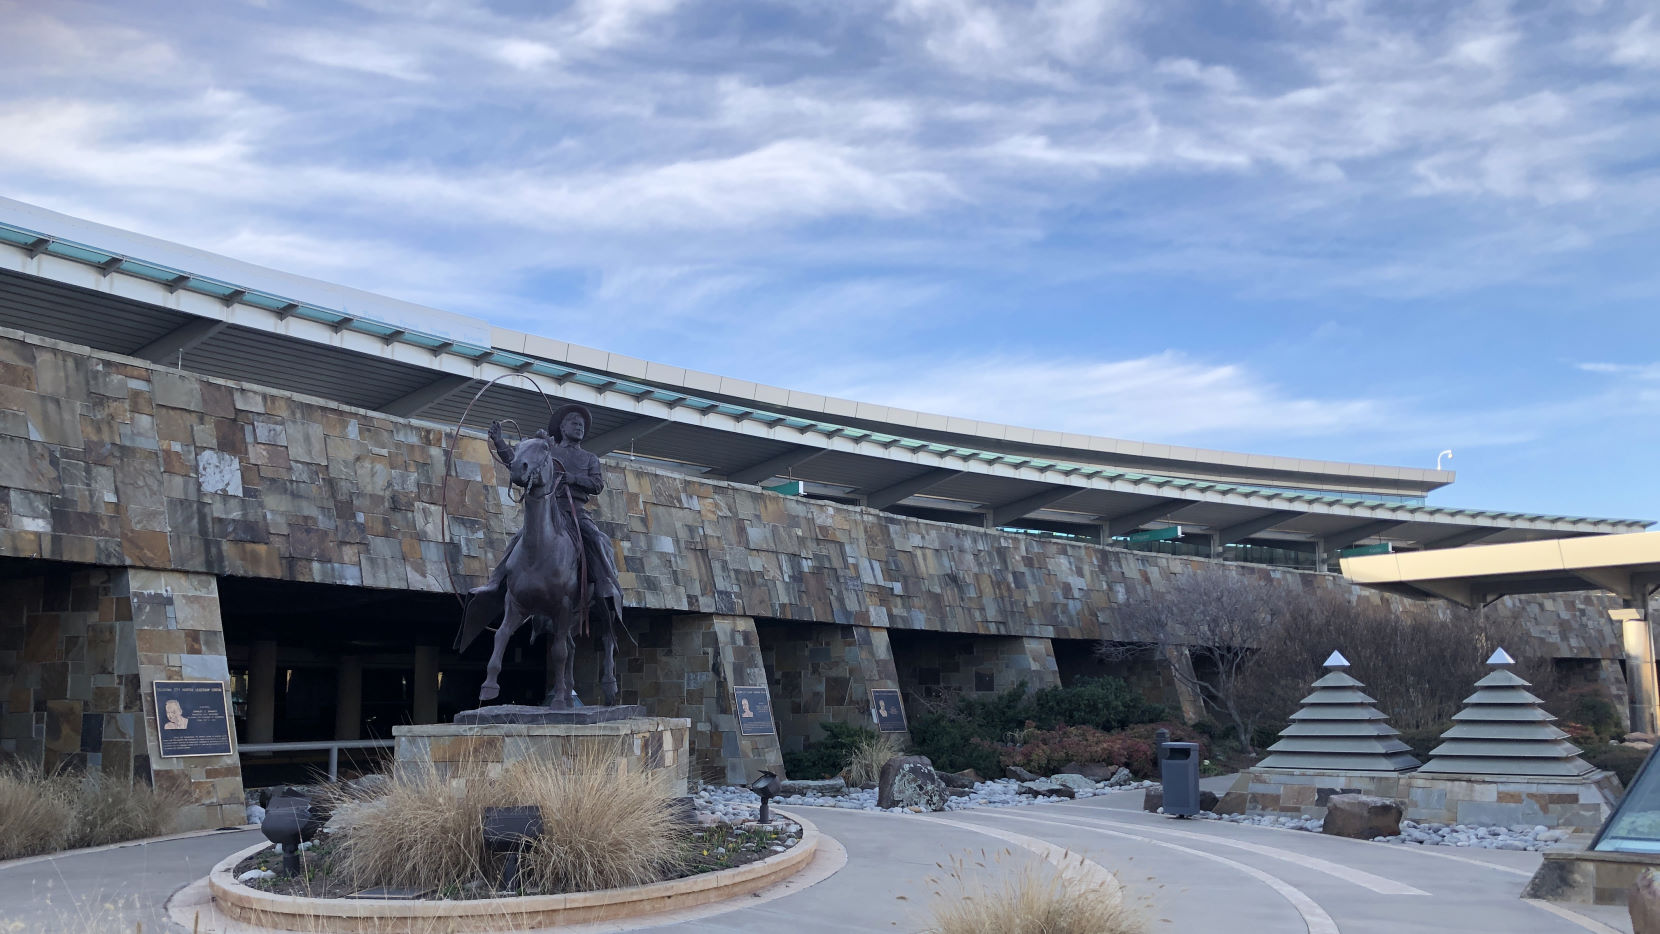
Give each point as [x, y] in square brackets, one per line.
[333, 747]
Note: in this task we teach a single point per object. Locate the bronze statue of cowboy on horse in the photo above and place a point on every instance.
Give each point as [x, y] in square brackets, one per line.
[558, 569]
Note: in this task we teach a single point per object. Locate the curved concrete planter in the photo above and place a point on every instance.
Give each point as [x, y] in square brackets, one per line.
[382, 916]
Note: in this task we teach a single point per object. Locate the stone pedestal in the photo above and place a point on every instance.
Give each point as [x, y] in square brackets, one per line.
[1579, 804]
[452, 751]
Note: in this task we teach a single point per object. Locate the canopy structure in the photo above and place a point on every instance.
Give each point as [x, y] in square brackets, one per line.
[1627, 566]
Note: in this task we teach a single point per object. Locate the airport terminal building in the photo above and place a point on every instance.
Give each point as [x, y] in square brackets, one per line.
[216, 473]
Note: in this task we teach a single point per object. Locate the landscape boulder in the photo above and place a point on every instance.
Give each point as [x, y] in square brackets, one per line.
[1044, 788]
[1207, 800]
[911, 782]
[1153, 799]
[1362, 816]
[828, 787]
[967, 778]
[1643, 901]
[1120, 778]
[1637, 738]
[1093, 770]
[1019, 774]
[1073, 781]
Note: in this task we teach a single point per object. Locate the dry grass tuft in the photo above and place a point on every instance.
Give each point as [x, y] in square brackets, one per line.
[1034, 899]
[107, 811]
[417, 832]
[44, 813]
[37, 812]
[865, 764]
[601, 829]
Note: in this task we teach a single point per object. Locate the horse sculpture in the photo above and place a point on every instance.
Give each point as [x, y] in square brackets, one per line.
[544, 582]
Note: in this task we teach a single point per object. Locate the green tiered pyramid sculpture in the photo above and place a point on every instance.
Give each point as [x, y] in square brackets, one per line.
[1338, 729]
[1503, 730]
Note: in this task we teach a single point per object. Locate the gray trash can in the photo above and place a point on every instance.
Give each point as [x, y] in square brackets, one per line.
[1179, 771]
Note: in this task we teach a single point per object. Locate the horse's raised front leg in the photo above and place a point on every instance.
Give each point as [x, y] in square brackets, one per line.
[511, 619]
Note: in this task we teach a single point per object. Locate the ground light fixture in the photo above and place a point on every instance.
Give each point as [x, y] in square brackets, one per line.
[290, 820]
[767, 786]
[509, 830]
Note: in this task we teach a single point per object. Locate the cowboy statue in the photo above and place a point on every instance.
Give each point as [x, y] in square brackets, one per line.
[567, 427]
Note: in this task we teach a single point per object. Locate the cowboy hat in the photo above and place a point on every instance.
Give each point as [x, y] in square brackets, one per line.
[558, 418]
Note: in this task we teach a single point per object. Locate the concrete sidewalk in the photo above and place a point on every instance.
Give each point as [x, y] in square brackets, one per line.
[1188, 875]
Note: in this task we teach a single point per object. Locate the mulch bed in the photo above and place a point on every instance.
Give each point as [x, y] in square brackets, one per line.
[707, 849]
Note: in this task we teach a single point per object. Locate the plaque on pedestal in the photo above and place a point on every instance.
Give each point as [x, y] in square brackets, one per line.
[754, 710]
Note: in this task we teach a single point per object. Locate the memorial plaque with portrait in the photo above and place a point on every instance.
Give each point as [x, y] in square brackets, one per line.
[192, 718]
[754, 710]
[887, 711]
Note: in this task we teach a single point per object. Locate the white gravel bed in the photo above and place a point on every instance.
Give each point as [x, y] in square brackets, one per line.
[735, 803]
[1517, 837]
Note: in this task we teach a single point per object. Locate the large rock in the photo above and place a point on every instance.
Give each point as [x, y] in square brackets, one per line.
[1120, 778]
[826, 787]
[1153, 799]
[1092, 770]
[1362, 816]
[1208, 800]
[1019, 774]
[1643, 901]
[967, 778]
[910, 781]
[1073, 781]
[1044, 788]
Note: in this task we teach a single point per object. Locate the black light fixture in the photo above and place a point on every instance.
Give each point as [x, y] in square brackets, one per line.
[510, 830]
[290, 820]
[766, 786]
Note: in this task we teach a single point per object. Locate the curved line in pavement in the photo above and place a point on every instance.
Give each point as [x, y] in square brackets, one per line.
[1314, 917]
[1366, 880]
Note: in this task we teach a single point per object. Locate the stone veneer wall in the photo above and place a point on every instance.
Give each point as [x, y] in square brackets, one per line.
[931, 669]
[687, 666]
[822, 673]
[110, 461]
[450, 752]
[79, 651]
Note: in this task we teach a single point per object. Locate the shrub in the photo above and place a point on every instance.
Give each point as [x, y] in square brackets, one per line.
[1421, 741]
[1034, 899]
[1621, 760]
[973, 732]
[1046, 751]
[864, 764]
[600, 829]
[826, 757]
[1589, 707]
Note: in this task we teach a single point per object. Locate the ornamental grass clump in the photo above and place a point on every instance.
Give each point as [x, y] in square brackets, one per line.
[600, 828]
[37, 812]
[864, 765]
[1033, 899]
[44, 812]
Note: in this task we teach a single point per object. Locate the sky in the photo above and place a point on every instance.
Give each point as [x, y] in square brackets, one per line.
[1336, 230]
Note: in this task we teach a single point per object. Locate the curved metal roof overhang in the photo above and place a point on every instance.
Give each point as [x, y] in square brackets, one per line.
[1627, 566]
[78, 293]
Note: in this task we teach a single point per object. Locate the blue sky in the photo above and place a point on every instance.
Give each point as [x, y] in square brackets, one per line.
[1328, 229]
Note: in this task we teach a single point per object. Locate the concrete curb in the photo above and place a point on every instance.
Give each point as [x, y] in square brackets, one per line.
[60, 854]
[379, 916]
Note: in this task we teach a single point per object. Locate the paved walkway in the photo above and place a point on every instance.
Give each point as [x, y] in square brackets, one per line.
[1190, 875]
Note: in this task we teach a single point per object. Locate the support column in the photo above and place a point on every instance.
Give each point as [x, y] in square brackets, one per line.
[426, 684]
[1640, 678]
[348, 698]
[179, 637]
[692, 673]
[262, 692]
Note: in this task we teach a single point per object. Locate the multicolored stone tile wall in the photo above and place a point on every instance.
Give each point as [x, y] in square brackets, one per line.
[79, 651]
[822, 673]
[107, 461]
[933, 669]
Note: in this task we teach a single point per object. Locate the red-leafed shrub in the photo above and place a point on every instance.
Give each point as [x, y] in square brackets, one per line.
[1046, 751]
[1580, 735]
